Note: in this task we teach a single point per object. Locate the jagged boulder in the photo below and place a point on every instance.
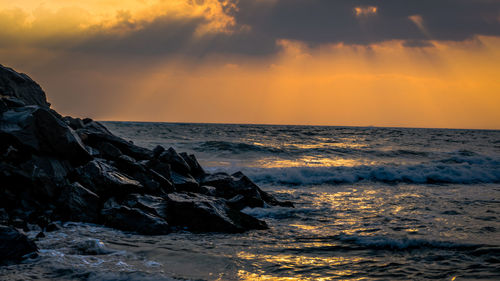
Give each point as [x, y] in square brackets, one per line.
[134, 219]
[21, 87]
[184, 182]
[175, 161]
[14, 246]
[93, 133]
[37, 130]
[229, 186]
[77, 203]
[154, 205]
[106, 180]
[196, 170]
[203, 213]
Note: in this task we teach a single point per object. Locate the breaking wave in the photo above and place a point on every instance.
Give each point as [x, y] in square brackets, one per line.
[448, 171]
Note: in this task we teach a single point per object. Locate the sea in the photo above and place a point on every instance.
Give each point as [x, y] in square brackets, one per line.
[370, 204]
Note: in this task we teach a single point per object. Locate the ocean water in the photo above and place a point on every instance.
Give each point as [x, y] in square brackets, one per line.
[371, 204]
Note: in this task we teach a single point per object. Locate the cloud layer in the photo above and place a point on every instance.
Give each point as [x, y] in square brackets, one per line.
[246, 27]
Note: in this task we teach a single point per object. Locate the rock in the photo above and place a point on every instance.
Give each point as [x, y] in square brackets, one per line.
[105, 180]
[147, 203]
[196, 169]
[79, 204]
[208, 190]
[36, 129]
[74, 123]
[153, 182]
[203, 213]
[4, 217]
[32, 184]
[177, 163]
[92, 247]
[129, 165]
[238, 202]
[14, 245]
[11, 102]
[228, 186]
[108, 151]
[159, 167]
[40, 235]
[134, 219]
[184, 182]
[21, 87]
[94, 133]
[157, 151]
[62, 168]
[51, 227]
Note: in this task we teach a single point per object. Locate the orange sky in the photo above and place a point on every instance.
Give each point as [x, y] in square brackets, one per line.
[446, 83]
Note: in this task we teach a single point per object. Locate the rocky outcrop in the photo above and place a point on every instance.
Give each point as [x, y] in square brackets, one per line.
[204, 213]
[71, 169]
[21, 88]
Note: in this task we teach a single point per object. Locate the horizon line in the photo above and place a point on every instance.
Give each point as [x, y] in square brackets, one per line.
[303, 125]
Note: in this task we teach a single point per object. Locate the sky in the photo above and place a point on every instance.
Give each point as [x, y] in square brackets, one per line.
[422, 63]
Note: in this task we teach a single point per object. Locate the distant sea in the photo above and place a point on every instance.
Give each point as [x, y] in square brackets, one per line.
[371, 204]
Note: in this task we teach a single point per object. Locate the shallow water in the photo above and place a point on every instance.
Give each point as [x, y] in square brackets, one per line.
[371, 204]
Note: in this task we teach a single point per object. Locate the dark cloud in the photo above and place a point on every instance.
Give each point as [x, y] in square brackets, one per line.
[260, 23]
[324, 21]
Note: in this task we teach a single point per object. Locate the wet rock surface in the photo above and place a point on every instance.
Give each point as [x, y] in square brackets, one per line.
[14, 246]
[55, 168]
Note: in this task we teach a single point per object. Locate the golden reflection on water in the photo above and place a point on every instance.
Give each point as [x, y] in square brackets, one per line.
[298, 262]
[311, 161]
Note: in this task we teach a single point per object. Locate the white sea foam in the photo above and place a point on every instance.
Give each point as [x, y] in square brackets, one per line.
[459, 171]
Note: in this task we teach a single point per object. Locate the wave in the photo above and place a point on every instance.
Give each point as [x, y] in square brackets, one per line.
[388, 243]
[328, 149]
[344, 242]
[448, 171]
[234, 147]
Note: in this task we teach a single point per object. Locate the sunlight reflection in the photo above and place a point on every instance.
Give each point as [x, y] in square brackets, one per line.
[298, 261]
[311, 161]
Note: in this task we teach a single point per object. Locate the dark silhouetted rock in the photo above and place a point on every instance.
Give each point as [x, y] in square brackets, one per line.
[147, 203]
[79, 203]
[159, 167]
[157, 151]
[105, 180]
[238, 202]
[208, 190]
[74, 123]
[184, 182]
[38, 130]
[10, 102]
[228, 186]
[108, 150]
[129, 165]
[4, 217]
[48, 175]
[204, 213]
[33, 184]
[176, 162]
[196, 169]
[14, 245]
[94, 133]
[55, 168]
[51, 227]
[153, 182]
[21, 87]
[134, 219]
